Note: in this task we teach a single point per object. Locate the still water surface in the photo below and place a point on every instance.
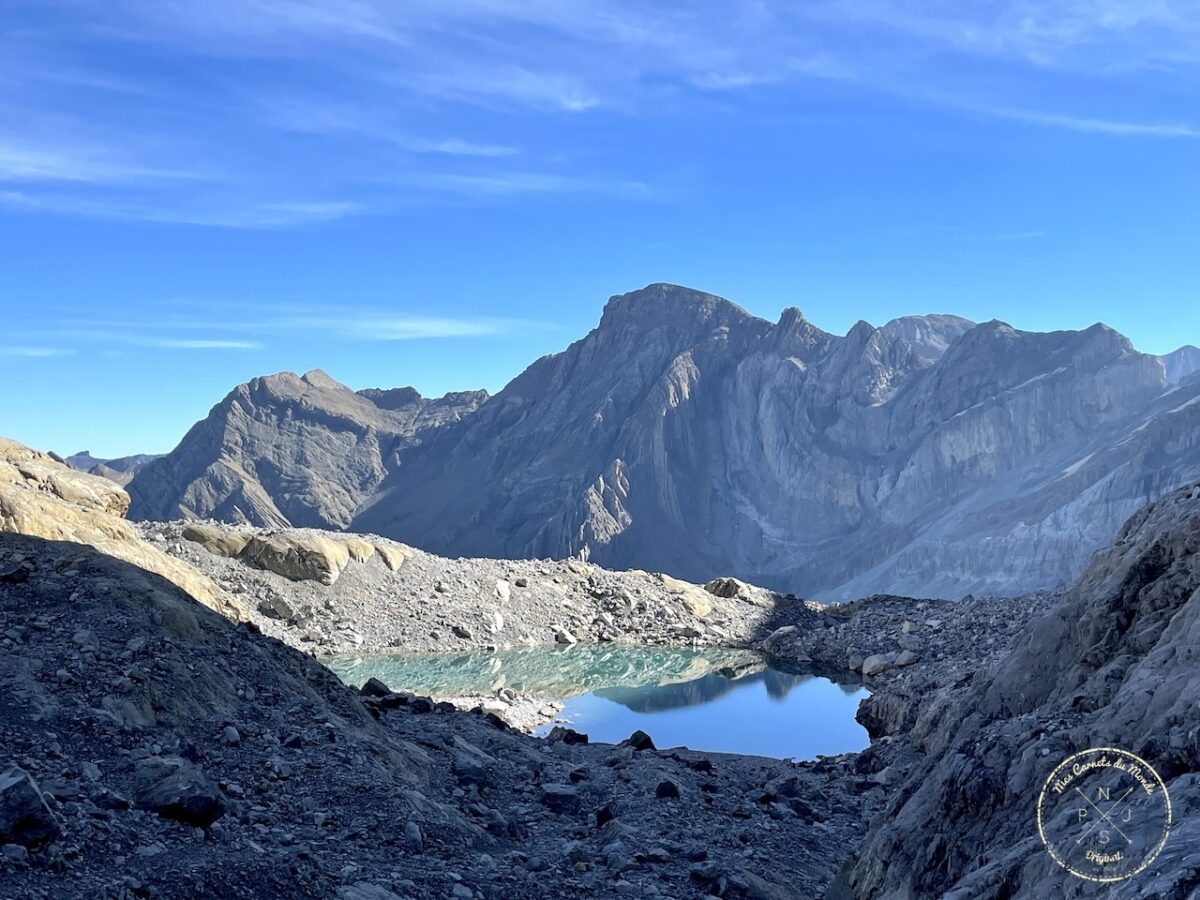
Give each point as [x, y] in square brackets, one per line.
[715, 700]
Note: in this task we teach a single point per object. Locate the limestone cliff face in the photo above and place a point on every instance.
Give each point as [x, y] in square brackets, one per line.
[929, 456]
[1114, 664]
[286, 450]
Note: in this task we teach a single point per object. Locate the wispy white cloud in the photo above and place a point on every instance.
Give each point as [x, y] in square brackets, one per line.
[35, 352]
[232, 215]
[509, 86]
[52, 160]
[508, 183]
[455, 147]
[728, 81]
[250, 326]
[192, 344]
[1099, 126]
[371, 99]
[418, 328]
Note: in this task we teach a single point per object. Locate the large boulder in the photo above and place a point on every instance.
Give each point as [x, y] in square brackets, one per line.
[175, 789]
[299, 556]
[25, 818]
[696, 599]
[216, 540]
[394, 555]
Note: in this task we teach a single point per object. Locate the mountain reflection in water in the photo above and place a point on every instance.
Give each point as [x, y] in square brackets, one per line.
[706, 699]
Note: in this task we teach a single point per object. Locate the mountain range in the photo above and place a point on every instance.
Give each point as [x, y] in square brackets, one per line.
[931, 456]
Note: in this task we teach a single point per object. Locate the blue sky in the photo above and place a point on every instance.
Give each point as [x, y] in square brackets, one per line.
[436, 192]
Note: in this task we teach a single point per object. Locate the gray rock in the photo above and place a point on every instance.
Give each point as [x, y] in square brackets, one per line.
[639, 740]
[176, 789]
[25, 819]
[364, 890]
[413, 839]
[561, 798]
[877, 663]
[667, 790]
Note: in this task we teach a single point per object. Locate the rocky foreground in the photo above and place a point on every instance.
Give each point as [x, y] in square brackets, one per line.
[155, 745]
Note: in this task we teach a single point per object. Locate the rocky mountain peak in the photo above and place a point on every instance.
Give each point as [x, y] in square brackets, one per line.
[930, 335]
[392, 398]
[1179, 364]
[670, 305]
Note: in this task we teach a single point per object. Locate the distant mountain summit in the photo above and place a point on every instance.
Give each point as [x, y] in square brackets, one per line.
[1181, 363]
[929, 456]
[121, 470]
[291, 450]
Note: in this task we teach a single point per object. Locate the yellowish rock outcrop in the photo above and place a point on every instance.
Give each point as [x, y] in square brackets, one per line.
[41, 497]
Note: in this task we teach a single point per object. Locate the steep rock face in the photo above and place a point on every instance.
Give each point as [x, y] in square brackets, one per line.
[928, 456]
[1114, 664]
[287, 450]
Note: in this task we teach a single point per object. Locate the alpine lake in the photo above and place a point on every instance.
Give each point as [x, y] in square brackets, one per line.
[712, 700]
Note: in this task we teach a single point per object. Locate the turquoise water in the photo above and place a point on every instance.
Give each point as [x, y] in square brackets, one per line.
[714, 700]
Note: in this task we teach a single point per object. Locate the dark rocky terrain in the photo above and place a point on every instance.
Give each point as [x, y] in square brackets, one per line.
[154, 749]
[929, 456]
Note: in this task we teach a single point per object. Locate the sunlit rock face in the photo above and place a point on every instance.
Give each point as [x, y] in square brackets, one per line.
[929, 456]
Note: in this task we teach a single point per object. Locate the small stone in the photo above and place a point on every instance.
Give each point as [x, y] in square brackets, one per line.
[462, 632]
[14, 854]
[560, 798]
[413, 839]
[875, 664]
[667, 790]
[566, 735]
[907, 658]
[639, 741]
[374, 688]
[908, 627]
[563, 636]
[780, 639]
